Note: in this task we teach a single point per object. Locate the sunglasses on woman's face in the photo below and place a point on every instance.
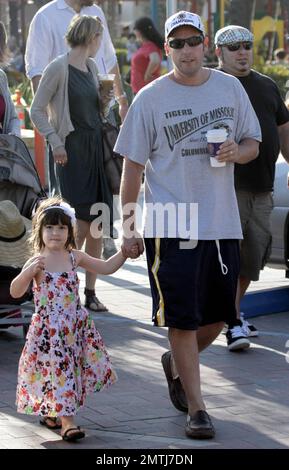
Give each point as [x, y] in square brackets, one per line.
[191, 41]
[235, 47]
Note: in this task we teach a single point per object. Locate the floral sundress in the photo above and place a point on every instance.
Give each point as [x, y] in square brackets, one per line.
[64, 357]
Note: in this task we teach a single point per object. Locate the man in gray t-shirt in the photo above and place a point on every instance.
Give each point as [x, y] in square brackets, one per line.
[193, 283]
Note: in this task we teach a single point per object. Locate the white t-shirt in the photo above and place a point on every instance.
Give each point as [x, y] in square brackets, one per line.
[46, 37]
[165, 130]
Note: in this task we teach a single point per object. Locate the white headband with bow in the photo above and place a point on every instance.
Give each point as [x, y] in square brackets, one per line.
[66, 208]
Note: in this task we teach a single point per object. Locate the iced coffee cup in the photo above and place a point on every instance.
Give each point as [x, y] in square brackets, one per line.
[106, 82]
[215, 137]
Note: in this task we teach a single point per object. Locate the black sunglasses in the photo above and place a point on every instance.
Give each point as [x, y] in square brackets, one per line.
[180, 43]
[235, 47]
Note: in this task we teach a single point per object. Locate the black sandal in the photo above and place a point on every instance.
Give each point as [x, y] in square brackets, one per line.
[92, 302]
[78, 434]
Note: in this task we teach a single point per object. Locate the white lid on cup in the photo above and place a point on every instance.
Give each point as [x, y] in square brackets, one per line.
[217, 135]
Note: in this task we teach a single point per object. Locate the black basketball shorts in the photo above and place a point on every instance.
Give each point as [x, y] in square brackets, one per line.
[188, 286]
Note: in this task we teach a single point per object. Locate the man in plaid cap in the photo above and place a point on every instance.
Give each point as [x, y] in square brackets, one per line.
[254, 181]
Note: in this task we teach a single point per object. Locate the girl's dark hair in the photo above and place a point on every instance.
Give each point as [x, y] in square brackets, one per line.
[3, 43]
[148, 30]
[44, 217]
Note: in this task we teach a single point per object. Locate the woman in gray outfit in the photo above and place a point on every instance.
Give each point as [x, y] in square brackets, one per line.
[9, 122]
[67, 110]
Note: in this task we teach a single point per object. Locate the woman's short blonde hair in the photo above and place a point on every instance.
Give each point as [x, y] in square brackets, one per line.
[82, 30]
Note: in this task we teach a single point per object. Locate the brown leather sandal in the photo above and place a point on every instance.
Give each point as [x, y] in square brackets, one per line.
[92, 302]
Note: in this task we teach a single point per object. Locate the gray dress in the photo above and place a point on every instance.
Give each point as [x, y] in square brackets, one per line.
[82, 180]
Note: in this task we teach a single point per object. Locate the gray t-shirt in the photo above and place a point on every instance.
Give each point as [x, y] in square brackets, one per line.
[165, 130]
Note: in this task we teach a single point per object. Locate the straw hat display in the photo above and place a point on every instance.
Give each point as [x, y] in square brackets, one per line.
[14, 232]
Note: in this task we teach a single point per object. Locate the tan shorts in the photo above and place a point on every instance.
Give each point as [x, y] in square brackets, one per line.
[255, 210]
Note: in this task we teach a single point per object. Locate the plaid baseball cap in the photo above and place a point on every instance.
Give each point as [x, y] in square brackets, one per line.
[232, 34]
[183, 18]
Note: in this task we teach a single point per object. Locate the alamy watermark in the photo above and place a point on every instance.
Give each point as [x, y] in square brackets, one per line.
[172, 220]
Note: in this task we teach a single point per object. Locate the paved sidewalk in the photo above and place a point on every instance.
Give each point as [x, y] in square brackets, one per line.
[246, 393]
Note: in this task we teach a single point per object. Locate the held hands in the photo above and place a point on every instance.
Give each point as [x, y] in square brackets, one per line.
[60, 156]
[132, 247]
[134, 253]
[228, 152]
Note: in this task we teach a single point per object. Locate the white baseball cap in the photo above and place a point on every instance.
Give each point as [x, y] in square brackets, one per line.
[183, 18]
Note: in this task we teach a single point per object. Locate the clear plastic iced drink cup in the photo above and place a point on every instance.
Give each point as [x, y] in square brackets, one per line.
[106, 81]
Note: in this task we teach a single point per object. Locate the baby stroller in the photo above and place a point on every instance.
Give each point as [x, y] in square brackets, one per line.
[20, 185]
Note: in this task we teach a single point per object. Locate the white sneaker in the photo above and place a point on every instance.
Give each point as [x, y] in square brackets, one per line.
[249, 330]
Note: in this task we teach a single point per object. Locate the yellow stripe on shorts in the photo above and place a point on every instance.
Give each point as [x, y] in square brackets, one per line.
[160, 317]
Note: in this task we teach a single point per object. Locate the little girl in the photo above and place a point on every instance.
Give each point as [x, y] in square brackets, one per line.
[64, 357]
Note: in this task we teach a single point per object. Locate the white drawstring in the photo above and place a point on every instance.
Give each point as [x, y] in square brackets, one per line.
[223, 266]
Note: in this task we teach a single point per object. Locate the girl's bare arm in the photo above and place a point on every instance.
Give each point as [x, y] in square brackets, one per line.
[20, 283]
[100, 266]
